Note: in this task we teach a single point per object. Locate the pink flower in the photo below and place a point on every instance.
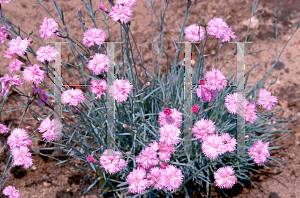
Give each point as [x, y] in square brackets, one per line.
[3, 34]
[99, 64]
[266, 100]
[217, 27]
[154, 146]
[169, 134]
[122, 13]
[98, 87]
[250, 115]
[6, 80]
[195, 108]
[126, 2]
[165, 151]
[11, 191]
[202, 81]
[120, 90]
[72, 97]
[174, 118]
[34, 74]
[225, 178]
[4, 1]
[3, 128]
[212, 146]
[17, 138]
[206, 93]
[22, 156]
[93, 36]
[216, 79]
[90, 159]
[228, 34]
[52, 129]
[155, 178]
[194, 33]
[229, 143]
[231, 102]
[172, 177]
[259, 151]
[7, 54]
[18, 46]
[137, 181]
[48, 28]
[147, 159]
[47, 53]
[14, 65]
[167, 111]
[111, 161]
[203, 128]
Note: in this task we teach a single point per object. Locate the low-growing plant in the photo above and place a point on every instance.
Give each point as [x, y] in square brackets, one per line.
[147, 155]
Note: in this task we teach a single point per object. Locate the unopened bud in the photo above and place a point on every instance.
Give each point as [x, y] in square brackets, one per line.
[126, 127]
[143, 120]
[203, 22]
[74, 111]
[29, 144]
[29, 128]
[202, 81]
[168, 99]
[210, 104]
[91, 159]
[275, 13]
[274, 80]
[30, 41]
[39, 119]
[102, 7]
[247, 137]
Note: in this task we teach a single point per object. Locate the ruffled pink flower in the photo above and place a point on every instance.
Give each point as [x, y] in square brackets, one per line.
[212, 146]
[217, 27]
[137, 181]
[22, 156]
[48, 28]
[206, 94]
[172, 177]
[165, 151]
[14, 65]
[120, 90]
[266, 100]
[98, 87]
[169, 134]
[51, 129]
[17, 138]
[3, 128]
[3, 34]
[194, 33]
[11, 191]
[155, 178]
[126, 2]
[99, 64]
[6, 80]
[228, 35]
[18, 46]
[147, 159]
[5, 1]
[47, 53]
[203, 128]
[195, 108]
[225, 178]
[259, 151]
[8, 55]
[93, 36]
[122, 13]
[175, 118]
[229, 143]
[154, 146]
[232, 101]
[111, 161]
[34, 74]
[216, 79]
[250, 115]
[72, 97]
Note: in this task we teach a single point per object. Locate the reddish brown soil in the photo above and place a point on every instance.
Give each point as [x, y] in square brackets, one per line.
[274, 183]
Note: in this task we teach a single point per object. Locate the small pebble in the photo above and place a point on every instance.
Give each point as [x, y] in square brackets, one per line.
[33, 168]
[213, 52]
[47, 184]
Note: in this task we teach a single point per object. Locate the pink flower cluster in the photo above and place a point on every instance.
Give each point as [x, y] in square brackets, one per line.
[215, 81]
[11, 192]
[99, 64]
[9, 80]
[266, 100]
[19, 142]
[259, 151]
[34, 74]
[225, 178]
[52, 129]
[98, 87]
[111, 161]
[3, 128]
[72, 97]
[93, 36]
[47, 53]
[122, 10]
[18, 46]
[48, 28]
[120, 90]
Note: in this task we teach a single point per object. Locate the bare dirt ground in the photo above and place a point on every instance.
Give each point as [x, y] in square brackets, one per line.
[43, 180]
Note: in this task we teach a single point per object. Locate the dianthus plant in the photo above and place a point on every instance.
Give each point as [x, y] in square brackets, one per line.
[148, 153]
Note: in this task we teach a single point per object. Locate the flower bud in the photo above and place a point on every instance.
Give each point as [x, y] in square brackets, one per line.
[168, 99]
[74, 111]
[164, 165]
[29, 128]
[29, 143]
[195, 108]
[275, 13]
[30, 41]
[126, 127]
[247, 137]
[90, 159]
[102, 7]
[274, 80]
[202, 81]
[143, 120]
[167, 111]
